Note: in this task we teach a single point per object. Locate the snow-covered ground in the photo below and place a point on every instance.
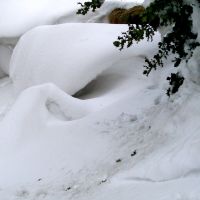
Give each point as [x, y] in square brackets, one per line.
[118, 137]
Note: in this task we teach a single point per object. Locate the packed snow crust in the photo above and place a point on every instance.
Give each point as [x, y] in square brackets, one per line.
[120, 137]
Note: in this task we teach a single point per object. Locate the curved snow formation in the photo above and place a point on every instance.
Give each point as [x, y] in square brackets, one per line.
[68, 55]
[28, 14]
[42, 104]
[53, 146]
[17, 17]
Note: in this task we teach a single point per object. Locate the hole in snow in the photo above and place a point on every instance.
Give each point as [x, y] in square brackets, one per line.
[56, 111]
[102, 85]
[114, 78]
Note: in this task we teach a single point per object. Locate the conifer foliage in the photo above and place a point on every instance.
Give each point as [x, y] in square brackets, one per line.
[180, 41]
[86, 6]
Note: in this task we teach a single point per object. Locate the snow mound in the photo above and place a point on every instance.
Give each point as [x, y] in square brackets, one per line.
[27, 14]
[51, 104]
[68, 55]
[49, 130]
[17, 17]
[30, 14]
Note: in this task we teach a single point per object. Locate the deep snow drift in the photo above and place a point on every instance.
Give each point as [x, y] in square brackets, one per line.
[27, 14]
[120, 137]
[69, 55]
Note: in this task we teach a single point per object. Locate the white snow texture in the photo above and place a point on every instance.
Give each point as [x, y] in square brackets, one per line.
[118, 137]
